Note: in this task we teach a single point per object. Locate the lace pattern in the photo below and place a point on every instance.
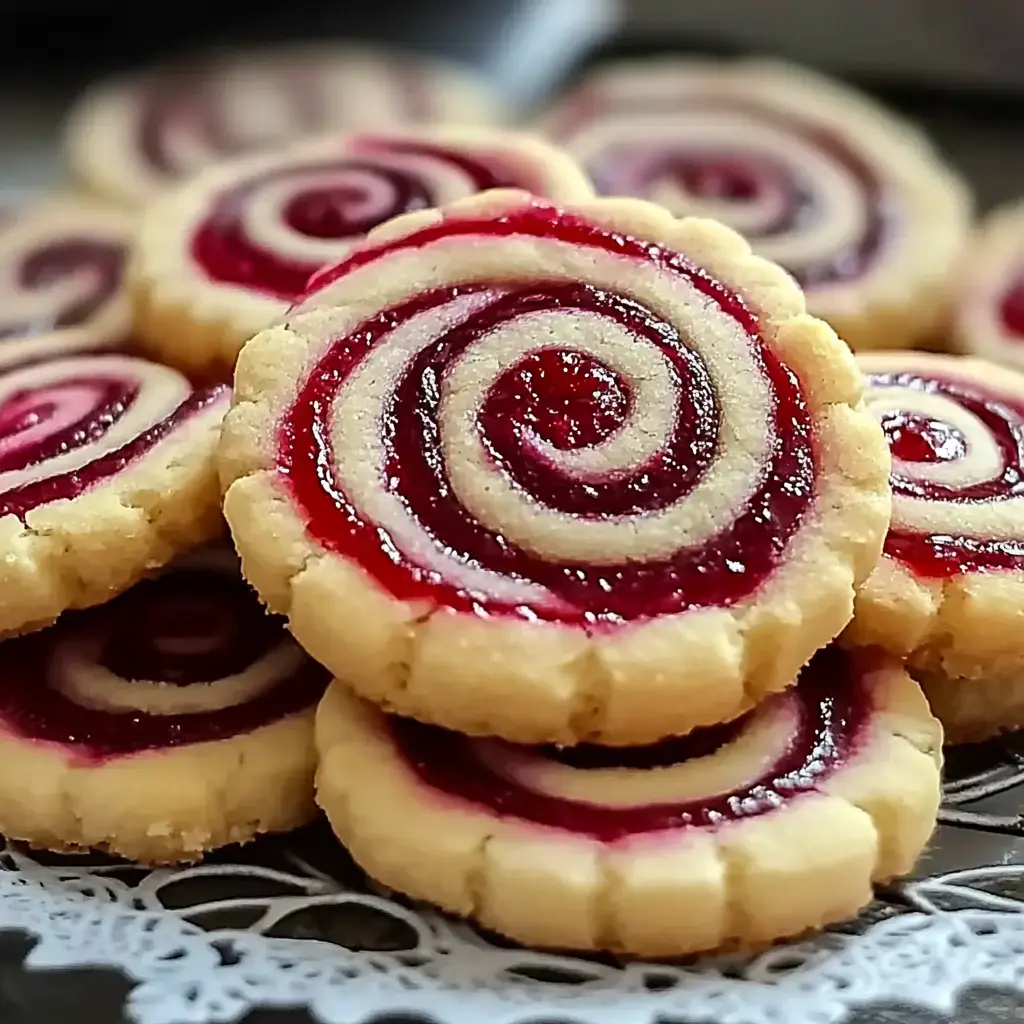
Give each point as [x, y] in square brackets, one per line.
[290, 923]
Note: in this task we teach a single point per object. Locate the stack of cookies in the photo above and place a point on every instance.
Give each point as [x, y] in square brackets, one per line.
[596, 568]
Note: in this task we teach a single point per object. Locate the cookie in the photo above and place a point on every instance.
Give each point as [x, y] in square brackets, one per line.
[557, 474]
[226, 255]
[973, 710]
[854, 202]
[106, 471]
[989, 316]
[175, 719]
[130, 138]
[62, 264]
[735, 835]
[949, 592]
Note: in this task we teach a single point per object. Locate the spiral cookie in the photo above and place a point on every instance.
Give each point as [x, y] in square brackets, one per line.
[737, 834]
[129, 138]
[175, 719]
[227, 254]
[949, 592]
[106, 471]
[61, 265]
[854, 203]
[989, 317]
[555, 474]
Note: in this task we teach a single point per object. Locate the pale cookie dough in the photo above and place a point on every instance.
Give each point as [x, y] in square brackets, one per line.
[989, 289]
[61, 280]
[853, 201]
[129, 138]
[736, 835]
[106, 472]
[588, 473]
[949, 592]
[173, 720]
[226, 255]
[972, 710]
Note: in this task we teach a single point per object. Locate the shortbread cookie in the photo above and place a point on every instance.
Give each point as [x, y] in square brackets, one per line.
[949, 593]
[226, 255]
[852, 201]
[734, 835]
[129, 138]
[175, 719]
[989, 317]
[106, 471]
[555, 474]
[972, 710]
[62, 292]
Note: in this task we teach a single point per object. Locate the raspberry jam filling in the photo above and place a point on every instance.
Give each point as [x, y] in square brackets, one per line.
[182, 629]
[914, 438]
[568, 401]
[741, 175]
[97, 262]
[367, 193]
[832, 705]
[52, 421]
[1011, 310]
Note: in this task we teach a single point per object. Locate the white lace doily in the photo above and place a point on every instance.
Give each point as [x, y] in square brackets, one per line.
[162, 929]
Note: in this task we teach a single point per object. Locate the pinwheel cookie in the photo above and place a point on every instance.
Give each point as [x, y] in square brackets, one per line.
[106, 471]
[62, 265]
[734, 835]
[555, 474]
[949, 593]
[989, 317]
[130, 138]
[226, 256]
[852, 201]
[174, 719]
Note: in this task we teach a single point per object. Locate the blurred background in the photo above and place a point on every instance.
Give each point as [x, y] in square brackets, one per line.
[953, 64]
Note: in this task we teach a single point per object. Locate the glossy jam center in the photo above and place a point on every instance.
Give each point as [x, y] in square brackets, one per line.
[367, 194]
[188, 628]
[833, 708]
[718, 572]
[916, 438]
[1012, 310]
[565, 398]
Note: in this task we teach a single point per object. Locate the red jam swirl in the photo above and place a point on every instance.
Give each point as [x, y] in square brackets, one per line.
[1011, 310]
[194, 108]
[833, 705]
[49, 264]
[183, 628]
[224, 250]
[740, 174]
[71, 415]
[913, 438]
[720, 572]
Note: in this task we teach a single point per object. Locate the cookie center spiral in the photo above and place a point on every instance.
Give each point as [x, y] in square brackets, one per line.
[174, 631]
[800, 192]
[566, 398]
[552, 449]
[914, 437]
[272, 231]
[186, 657]
[958, 458]
[752, 766]
[60, 283]
[67, 424]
